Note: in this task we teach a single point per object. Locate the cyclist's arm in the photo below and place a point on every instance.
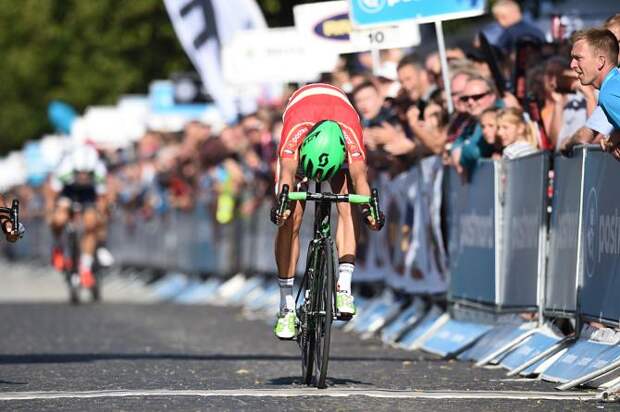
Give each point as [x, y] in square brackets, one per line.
[288, 168]
[358, 171]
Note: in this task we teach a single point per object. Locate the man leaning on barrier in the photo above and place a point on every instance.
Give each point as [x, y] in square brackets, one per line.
[594, 58]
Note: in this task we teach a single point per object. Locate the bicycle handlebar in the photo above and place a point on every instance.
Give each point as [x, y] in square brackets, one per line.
[372, 201]
[329, 197]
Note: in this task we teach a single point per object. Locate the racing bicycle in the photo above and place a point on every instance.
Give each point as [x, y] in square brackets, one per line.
[315, 302]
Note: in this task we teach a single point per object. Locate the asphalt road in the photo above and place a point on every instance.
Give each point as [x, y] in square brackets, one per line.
[139, 354]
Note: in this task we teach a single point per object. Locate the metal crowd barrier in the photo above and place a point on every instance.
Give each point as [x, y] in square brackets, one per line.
[496, 233]
[496, 237]
[599, 238]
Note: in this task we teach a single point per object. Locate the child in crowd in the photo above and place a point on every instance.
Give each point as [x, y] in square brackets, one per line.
[515, 133]
[488, 123]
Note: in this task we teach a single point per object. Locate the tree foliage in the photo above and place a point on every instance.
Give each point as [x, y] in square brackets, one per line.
[81, 52]
[86, 52]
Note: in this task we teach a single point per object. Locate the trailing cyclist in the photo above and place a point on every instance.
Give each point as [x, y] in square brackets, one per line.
[323, 131]
[78, 183]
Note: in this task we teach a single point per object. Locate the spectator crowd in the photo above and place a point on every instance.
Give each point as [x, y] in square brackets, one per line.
[513, 94]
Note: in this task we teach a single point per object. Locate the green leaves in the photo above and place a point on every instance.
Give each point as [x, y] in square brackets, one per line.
[82, 52]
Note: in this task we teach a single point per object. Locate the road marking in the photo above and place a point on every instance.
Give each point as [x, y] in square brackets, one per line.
[294, 392]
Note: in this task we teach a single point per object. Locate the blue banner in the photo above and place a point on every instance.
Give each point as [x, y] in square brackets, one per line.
[525, 187]
[471, 218]
[384, 12]
[601, 238]
[561, 279]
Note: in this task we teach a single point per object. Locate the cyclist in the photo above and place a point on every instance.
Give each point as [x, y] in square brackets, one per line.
[319, 125]
[79, 180]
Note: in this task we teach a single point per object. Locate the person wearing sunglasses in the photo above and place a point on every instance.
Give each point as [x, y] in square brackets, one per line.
[478, 95]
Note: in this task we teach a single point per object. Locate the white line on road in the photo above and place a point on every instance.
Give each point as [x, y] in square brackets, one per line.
[281, 393]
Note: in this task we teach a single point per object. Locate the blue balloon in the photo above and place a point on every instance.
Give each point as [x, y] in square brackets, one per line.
[61, 115]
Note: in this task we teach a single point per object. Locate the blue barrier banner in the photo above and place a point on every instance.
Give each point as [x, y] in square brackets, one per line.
[601, 238]
[561, 279]
[581, 358]
[471, 240]
[525, 183]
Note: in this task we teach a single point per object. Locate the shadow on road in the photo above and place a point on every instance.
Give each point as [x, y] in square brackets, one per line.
[12, 383]
[296, 380]
[93, 357]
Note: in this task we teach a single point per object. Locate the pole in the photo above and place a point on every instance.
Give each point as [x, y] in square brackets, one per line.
[376, 60]
[444, 64]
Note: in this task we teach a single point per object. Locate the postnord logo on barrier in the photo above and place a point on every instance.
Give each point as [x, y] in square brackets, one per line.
[591, 232]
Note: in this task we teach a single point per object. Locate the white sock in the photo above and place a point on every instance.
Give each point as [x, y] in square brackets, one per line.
[86, 260]
[287, 302]
[345, 272]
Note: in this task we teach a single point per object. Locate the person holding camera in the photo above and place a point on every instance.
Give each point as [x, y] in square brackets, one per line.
[380, 122]
[567, 104]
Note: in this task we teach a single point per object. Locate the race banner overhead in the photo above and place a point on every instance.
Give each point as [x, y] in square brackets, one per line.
[203, 27]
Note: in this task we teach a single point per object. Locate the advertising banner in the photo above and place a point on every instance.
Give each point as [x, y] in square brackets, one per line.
[601, 238]
[327, 25]
[524, 182]
[273, 55]
[470, 207]
[561, 279]
[380, 12]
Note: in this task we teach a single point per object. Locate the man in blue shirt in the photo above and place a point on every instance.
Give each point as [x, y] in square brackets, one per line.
[594, 59]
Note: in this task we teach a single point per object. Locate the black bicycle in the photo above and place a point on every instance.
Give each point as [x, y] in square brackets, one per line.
[316, 299]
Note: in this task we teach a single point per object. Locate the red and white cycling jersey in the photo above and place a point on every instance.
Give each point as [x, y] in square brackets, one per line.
[315, 102]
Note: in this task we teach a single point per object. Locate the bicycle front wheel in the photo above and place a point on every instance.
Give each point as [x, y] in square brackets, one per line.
[324, 310]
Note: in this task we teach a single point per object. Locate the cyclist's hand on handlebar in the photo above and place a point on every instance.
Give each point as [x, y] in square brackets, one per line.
[373, 216]
[14, 235]
[281, 211]
[371, 222]
[277, 218]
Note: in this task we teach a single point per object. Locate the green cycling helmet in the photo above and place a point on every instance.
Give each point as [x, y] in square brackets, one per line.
[322, 152]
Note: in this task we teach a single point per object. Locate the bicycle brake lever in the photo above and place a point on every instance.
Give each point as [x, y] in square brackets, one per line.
[283, 200]
[15, 214]
[374, 204]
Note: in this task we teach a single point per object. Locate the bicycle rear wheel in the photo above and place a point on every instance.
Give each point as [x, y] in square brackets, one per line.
[324, 310]
[72, 271]
[305, 338]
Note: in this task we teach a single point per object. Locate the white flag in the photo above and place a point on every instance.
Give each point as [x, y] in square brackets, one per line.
[203, 27]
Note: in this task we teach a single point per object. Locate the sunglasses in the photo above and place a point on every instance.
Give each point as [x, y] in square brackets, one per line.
[474, 97]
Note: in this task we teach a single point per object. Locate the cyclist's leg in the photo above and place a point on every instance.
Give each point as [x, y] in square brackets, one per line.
[287, 254]
[347, 229]
[104, 257]
[88, 244]
[58, 222]
[346, 243]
